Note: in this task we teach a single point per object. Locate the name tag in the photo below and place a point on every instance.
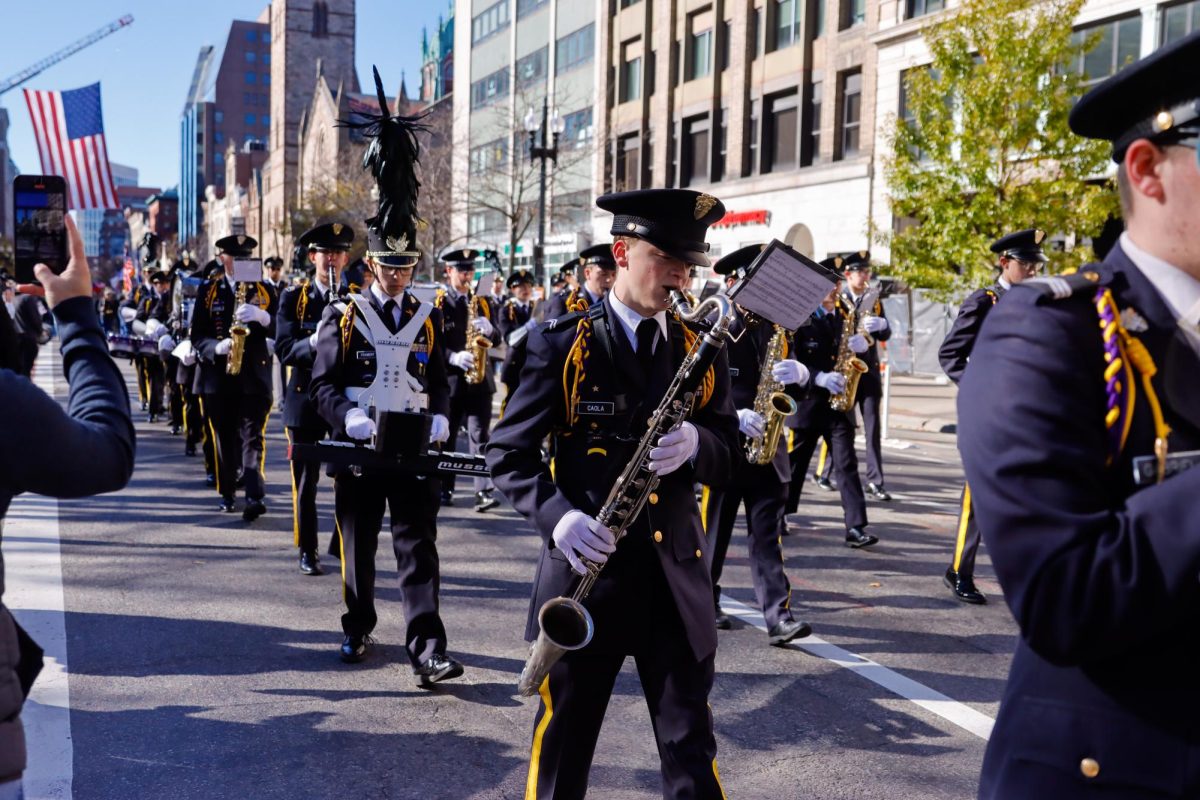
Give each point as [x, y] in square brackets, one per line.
[734, 372]
[365, 355]
[595, 408]
[1145, 468]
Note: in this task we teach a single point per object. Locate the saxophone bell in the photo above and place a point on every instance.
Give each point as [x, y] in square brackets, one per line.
[565, 626]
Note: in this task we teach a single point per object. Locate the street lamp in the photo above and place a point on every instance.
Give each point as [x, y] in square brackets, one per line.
[554, 125]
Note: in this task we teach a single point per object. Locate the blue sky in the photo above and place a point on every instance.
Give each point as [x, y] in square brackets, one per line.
[145, 69]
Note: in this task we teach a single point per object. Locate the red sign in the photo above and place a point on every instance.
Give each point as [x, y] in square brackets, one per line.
[735, 218]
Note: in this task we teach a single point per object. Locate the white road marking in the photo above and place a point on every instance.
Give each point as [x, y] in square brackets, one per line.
[34, 594]
[951, 710]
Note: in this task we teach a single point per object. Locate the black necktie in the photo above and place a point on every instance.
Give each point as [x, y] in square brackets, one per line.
[647, 330]
[389, 315]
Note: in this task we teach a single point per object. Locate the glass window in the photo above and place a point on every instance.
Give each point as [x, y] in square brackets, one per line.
[577, 128]
[266, 79]
[218, 137]
[266, 37]
[532, 68]
[251, 35]
[781, 136]
[251, 56]
[528, 6]
[1120, 44]
[219, 158]
[266, 59]
[812, 148]
[489, 22]
[575, 49]
[251, 77]
[751, 164]
[488, 156]
[251, 119]
[787, 23]
[628, 163]
[320, 19]
[726, 35]
[628, 3]
[218, 117]
[700, 50]
[854, 12]
[851, 116]
[489, 88]
[1178, 21]
[266, 120]
[919, 8]
[630, 87]
[695, 151]
[756, 31]
[722, 144]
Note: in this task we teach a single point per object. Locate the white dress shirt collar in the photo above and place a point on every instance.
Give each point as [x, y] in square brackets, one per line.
[1179, 290]
[629, 319]
[1004, 282]
[382, 300]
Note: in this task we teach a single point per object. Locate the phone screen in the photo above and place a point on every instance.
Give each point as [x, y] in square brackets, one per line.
[39, 207]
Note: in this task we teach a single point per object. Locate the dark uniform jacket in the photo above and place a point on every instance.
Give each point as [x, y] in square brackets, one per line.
[816, 346]
[956, 347]
[565, 302]
[345, 358]
[453, 310]
[1100, 575]
[300, 310]
[745, 370]
[211, 319]
[155, 306]
[871, 384]
[594, 406]
[510, 318]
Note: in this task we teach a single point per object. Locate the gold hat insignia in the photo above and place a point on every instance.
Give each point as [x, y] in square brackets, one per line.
[398, 245]
[241, 240]
[704, 204]
[1038, 235]
[337, 228]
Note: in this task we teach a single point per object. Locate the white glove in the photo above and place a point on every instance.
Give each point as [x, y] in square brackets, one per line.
[153, 326]
[674, 449]
[577, 534]
[439, 429]
[251, 313]
[189, 358]
[224, 346]
[165, 343]
[483, 325]
[875, 324]
[832, 382]
[128, 314]
[789, 370]
[358, 425]
[750, 422]
[858, 343]
[533, 323]
[463, 359]
[270, 345]
[312, 340]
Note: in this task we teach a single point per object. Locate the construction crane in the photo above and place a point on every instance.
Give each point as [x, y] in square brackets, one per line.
[74, 47]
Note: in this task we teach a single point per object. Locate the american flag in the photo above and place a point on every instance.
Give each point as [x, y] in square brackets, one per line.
[69, 129]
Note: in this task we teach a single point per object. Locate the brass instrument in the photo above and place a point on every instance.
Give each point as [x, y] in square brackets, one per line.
[850, 366]
[565, 624]
[771, 402]
[477, 344]
[238, 331]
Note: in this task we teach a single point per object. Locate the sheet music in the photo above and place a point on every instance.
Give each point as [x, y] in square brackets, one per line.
[783, 286]
[247, 270]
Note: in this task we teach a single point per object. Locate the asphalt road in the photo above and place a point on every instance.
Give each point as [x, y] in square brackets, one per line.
[202, 664]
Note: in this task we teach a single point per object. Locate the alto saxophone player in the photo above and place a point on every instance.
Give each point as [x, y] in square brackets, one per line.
[761, 488]
[591, 381]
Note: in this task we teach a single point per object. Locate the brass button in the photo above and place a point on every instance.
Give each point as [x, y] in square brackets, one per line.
[653, 498]
[699, 554]
[1090, 767]
[658, 536]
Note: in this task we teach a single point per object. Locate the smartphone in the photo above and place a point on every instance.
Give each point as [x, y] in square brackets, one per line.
[40, 233]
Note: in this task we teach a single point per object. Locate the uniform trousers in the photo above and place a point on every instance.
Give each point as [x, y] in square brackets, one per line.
[474, 407]
[358, 504]
[143, 384]
[193, 420]
[305, 477]
[759, 489]
[840, 429]
[170, 365]
[967, 543]
[237, 422]
[869, 403]
[155, 377]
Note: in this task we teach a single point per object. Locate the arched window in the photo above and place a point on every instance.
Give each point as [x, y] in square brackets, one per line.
[320, 19]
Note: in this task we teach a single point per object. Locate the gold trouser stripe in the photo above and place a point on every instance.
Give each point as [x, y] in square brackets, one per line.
[295, 495]
[716, 773]
[964, 517]
[535, 752]
[216, 448]
[262, 457]
[705, 493]
[791, 439]
[822, 458]
[337, 525]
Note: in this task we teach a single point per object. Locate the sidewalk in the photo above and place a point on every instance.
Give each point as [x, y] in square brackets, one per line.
[923, 404]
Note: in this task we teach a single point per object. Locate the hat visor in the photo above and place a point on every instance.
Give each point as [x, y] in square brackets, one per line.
[394, 261]
[320, 248]
[688, 256]
[1028, 255]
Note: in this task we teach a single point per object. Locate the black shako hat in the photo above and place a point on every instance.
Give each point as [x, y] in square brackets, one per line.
[238, 246]
[599, 255]
[736, 263]
[1155, 98]
[1024, 245]
[332, 237]
[675, 220]
[521, 276]
[853, 262]
[460, 259]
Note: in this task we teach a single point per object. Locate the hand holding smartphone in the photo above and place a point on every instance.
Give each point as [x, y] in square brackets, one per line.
[40, 234]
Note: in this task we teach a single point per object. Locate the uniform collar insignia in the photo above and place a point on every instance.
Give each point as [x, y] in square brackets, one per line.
[704, 204]
[1133, 321]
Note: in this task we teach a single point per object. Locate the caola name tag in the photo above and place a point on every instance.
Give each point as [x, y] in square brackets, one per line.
[595, 408]
[1145, 468]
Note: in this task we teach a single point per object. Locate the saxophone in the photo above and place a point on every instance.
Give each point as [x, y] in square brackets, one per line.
[238, 331]
[771, 402]
[565, 624]
[850, 366]
[477, 344]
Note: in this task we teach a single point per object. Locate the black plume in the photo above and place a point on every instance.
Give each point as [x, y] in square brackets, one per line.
[391, 158]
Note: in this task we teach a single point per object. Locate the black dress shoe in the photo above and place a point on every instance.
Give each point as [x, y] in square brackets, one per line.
[963, 587]
[355, 647]
[254, 509]
[447, 497]
[785, 630]
[878, 492]
[175, 430]
[484, 500]
[189, 449]
[153, 418]
[857, 537]
[310, 564]
[724, 623]
[438, 667]
[227, 504]
[823, 483]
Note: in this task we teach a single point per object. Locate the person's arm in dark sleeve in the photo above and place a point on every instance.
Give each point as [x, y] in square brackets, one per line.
[86, 449]
[718, 428]
[204, 335]
[328, 386]
[292, 342]
[1086, 577]
[437, 384]
[956, 347]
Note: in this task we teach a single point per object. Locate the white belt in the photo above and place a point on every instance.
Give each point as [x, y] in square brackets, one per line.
[361, 396]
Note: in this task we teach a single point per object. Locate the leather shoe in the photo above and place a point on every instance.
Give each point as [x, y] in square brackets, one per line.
[484, 500]
[227, 503]
[878, 492]
[963, 587]
[438, 667]
[724, 623]
[857, 537]
[823, 483]
[254, 509]
[447, 497]
[784, 631]
[310, 564]
[210, 479]
[175, 430]
[355, 647]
